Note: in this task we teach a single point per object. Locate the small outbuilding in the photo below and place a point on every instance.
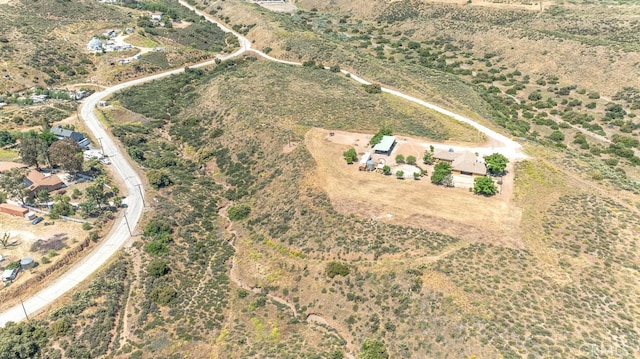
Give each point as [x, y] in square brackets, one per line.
[13, 210]
[385, 146]
[27, 263]
[95, 45]
[371, 166]
[10, 274]
[363, 161]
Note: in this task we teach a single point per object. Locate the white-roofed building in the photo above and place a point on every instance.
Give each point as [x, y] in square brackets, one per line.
[95, 45]
[386, 145]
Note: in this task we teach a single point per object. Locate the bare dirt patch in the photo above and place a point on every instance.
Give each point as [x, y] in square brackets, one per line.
[278, 6]
[416, 203]
[25, 235]
[289, 147]
[181, 25]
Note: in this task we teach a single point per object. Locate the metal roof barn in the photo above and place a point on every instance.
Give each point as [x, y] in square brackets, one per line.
[386, 145]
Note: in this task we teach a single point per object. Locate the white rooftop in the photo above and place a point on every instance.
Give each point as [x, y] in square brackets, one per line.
[385, 144]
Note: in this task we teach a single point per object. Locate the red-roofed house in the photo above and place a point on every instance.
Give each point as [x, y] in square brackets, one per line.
[37, 181]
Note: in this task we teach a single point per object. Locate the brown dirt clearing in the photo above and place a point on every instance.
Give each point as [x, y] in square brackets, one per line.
[22, 231]
[452, 211]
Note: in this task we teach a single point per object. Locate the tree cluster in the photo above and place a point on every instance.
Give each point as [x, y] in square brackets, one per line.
[12, 184]
[384, 131]
[43, 148]
[484, 186]
[496, 163]
[350, 155]
[441, 171]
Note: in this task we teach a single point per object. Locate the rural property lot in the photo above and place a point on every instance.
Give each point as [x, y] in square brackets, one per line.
[453, 211]
[66, 234]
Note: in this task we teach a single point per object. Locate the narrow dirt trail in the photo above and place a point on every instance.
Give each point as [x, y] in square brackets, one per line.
[237, 280]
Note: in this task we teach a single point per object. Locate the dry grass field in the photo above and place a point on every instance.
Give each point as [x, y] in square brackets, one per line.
[418, 203]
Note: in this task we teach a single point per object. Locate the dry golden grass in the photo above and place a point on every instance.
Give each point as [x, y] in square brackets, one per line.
[456, 212]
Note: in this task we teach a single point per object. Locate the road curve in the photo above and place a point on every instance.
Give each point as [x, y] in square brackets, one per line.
[509, 148]
[119, 232]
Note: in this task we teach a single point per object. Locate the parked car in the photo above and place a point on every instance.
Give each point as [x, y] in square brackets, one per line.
[37, 220]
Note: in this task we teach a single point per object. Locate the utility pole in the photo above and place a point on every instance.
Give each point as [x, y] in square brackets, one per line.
[24, 309]
[124, 214]
[101, 148]
[141, 196]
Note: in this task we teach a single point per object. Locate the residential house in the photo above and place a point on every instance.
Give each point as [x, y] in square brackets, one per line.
[37, 181]
[156, 16]
[462, 162]
[468, 164]
[62, 133]
[445, 156]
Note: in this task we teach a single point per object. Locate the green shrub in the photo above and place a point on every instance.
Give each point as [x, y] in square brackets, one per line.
[86, 226]
[158, 179]
[158, 268]
[238, 212]
[411, 160]
[400, 159]
[484, 185]
[156, 247]
[373, 349]
[372, 88]
[440, 171]
[163, 295]
[556, 136]
[336, 268]
[384, 131]
[427, 159]
[94, 236]
[350, 155]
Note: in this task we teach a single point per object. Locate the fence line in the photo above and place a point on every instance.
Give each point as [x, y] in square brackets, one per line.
[65, 218]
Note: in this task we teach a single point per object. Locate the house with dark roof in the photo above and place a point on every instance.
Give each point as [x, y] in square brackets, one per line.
[62, 133]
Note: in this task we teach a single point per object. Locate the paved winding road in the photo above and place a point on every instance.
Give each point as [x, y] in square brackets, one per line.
[119, 234]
